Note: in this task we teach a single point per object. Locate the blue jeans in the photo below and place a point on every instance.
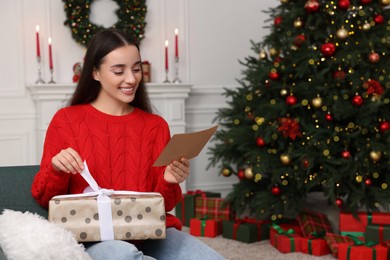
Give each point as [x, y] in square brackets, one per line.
[177, 245]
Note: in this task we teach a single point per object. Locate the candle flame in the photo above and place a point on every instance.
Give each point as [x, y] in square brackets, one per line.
[37, 28]
[166, 43]
[176, 31]
[49, 40]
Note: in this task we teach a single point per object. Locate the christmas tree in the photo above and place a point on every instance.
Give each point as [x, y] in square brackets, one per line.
[311, 112]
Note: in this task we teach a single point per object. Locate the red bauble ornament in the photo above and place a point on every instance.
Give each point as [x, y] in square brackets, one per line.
[329, 117]
[275, 190]
[305, 163]
[379, 19]
[346, 154]
[368, 182]
[357, 100]
[339, 202]
[241, 174]
[339, 75]
[260, 142]
[344, 4]
[384, 126]
[291, 100]
[312, 6]
[278, 20]
[299, 40]
[365, 2]
[374, 57]
[274, 75]
[328, 49]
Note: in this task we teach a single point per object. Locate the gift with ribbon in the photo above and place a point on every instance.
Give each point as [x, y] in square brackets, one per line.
[213, 208]
[315, 244]
[185, 209]
[205, 227]
[377, 233]
[109, 215]
[246, 230]
[359, 250]
[313, 222]
[334, 240]
[355, 225]
[286, 237]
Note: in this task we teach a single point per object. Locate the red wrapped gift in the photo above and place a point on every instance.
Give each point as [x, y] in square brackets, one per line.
[350, 251]
[350, 225]
[377, 233]
[212, 208]
[333, 241]
[315, 245]
[286, 237]
[313, 222]
[205, 227]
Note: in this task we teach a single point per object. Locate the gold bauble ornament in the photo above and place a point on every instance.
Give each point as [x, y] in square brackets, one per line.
[342, 33]
[384, 2]
[274, 52]
[284, 1]
[262, 55]
[283, 92]
[298, 23]
[317, 102]
[249, 173]
[366, 27]
[285, 159]
[226, 172]
[375, 155]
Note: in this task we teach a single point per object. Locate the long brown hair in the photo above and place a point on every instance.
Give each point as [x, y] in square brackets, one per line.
[101, 44]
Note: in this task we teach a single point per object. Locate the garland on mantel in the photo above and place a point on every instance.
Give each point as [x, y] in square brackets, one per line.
[131, 18]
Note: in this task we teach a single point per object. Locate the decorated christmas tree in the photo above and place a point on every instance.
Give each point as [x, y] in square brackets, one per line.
[312, 111]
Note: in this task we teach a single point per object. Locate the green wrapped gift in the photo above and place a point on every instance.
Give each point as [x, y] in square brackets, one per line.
[185, 209]
[245, 230]
[377, 233]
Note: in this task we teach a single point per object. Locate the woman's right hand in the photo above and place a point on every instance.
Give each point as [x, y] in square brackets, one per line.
[68, 161]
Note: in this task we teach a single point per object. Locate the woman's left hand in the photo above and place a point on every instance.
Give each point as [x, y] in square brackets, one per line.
[177, 172]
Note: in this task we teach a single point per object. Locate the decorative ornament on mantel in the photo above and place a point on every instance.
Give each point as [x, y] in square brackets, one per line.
[131, 18]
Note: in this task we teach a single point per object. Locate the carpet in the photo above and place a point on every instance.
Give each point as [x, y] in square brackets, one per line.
[236, 250]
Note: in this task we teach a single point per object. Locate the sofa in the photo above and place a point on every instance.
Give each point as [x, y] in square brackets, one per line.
[15, 191]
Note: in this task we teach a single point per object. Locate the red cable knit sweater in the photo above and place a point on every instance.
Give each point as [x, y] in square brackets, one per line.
[119, 151]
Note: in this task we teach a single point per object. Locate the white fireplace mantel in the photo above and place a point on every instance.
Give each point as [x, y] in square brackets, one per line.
[168, 100]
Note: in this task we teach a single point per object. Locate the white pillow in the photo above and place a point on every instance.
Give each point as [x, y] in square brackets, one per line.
[30, 236]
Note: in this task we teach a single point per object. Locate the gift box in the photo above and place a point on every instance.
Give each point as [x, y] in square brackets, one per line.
[314, 222]
[212, 208]
[377, 233]
[315, 245]
[356, 226]
[245, 230]
[333, 241]
[286, 237]
[350, 251]
[107, 215]
[205, 227]
[185, 209]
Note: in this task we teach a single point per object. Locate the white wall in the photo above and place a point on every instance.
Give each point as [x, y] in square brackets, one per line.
[214, 35]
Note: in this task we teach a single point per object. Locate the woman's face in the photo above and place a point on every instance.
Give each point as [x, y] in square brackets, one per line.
[119, 75]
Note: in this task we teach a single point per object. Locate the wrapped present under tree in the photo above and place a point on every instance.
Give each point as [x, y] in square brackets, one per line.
[205, 227]
[246, 230]
[212, 208]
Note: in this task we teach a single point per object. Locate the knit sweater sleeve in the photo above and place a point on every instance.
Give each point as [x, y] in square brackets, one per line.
[48, 182]
[170, 191]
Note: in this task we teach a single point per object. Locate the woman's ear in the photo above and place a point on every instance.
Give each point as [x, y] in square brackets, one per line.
[95, 74]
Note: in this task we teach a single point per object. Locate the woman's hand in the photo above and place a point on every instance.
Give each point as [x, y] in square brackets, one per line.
[177, 172]
[68, 161]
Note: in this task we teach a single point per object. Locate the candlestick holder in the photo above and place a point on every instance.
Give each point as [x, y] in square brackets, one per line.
[166, 76]
[51, 77]
[177, 80]
[40, 79]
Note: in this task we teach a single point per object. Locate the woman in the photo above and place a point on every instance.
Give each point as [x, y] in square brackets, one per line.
[109, 124]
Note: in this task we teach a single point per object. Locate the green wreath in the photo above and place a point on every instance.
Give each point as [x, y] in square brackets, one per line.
[131, 18]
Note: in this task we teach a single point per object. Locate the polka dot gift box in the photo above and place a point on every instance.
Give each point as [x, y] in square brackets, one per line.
[107, 215]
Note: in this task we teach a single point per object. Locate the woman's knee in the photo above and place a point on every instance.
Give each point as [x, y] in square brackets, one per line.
[114, 249]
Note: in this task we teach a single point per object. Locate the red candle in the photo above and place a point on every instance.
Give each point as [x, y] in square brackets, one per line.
[176, 43]
[37, 39]
[50, 55]
[166, 55]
